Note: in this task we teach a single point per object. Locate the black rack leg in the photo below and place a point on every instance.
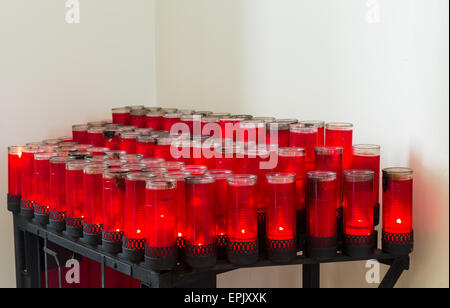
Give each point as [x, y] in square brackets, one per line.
[19, 249]
[32, 272]
[395, 271]
[311, 276]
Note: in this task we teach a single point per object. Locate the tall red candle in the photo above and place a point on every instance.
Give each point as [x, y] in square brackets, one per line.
[79, 133]
[42, 182]
[58, 204]
[75, 197]
[14, 177]
[307, 138]
[127, 142]
[398, 210]
[121, 116]
[95, 136]
[242, 226]
[229, 127]
[28, 181]
[160, 217]
[341, 134]
[320, 125]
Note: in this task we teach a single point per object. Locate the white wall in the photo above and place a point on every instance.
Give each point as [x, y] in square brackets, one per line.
[53, 75]
[321, 59]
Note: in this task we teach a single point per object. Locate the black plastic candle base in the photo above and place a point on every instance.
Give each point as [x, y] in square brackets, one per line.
[111, 247]
[301, 242]
[200, 256]
[14, 204]
[243, 253]
[360, 246]
[41, 219]
[358, 251]
[92, 239]
[281, 251]
[398, 244]
[202, 262]
[74, 232]
[57, 225]
[131, 255]
[321, 248]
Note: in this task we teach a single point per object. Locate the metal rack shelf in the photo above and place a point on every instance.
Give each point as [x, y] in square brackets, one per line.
[31, 239]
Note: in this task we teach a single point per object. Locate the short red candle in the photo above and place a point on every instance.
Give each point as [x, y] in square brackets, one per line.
[121, 116]
[320, 125]
[341, 134]
[292, 160]
[145, 145]
[15, 170]
[58, 204]
[321, 199]
[93, 195]
[169, 120]
[138, 118]
[358, 207]
[163, 148]
[367, 157]
[329, 158]
[42, 181]
[79, 133]
[307, 138]
[75, 190]
[127, 142]
[95, 136]
[277, 134]
[155, 120]
[251, 131]
[196, 170]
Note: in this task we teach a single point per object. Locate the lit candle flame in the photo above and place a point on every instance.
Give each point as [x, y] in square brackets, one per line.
[138, 231]
[243, 231]
[180, 234]
[281, 228]
[399, 221]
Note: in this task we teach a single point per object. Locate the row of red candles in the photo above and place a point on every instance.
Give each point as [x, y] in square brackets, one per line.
[57, 179]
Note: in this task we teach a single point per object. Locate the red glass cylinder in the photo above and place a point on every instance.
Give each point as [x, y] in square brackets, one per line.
[28, 181]
[201, 227]
[307, 138]
[111, 137]
[204, 152]
[209, 126]
[163, 148]
[155, 120]
[75, 196]
[292, 160]
[321, 199]
[58, 204]
[169, 120]
[161, 228]
[191, 120]
[277, 134]
[398, 210]
[242, 225]
[95, 136]
[145, 146]
[127, 142]
[251, 131]
[281, 217]
[42, 182]
[320, 125]
[121, 116]
[97, 124]
[195, 170]
[229, 127]
[367, 157]
[341, 135]
[15, 170]
[225, 157]
[79, 133]
[138, 118]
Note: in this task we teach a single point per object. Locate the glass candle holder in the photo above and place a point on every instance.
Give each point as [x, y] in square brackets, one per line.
[155, 120]
[132, 158]
[128, 141]
[242, 226]
[277, 133]
[42, 181]
[58, 204]
[367, 157]
[220, 115]
[28, 181]
[292, 160]
[229, 127]
[121, 116]
[287, 121]
[75, 197]
[358, 213]
[180, 177]
[189, 121]
[83, 147]
[225, 157]
[111, 137]
[210, 125]
[200, 251]
[307, 138]
[52, 141]
[97, 124]
[138, 118]
[172, 165]
[195, 170]
[320, 125]
[79, 133]
[95, 136]
[203, 113]
[134, 228]
[136, 107]
[182, 150]
[341, 135]
[251, 131]
[169, 120]
[204, 152]
[221, 192]
[115, 163]
[246, 117]
[145, 146]
[321, 199]
[14, 177]
[152, 162]
[281, 219]
[160, 216]
[398, 234]
[163, 148]
[186, 111]
[136, 167]
[98, 151]
[93, 203]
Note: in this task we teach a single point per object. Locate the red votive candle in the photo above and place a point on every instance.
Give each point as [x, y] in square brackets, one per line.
[281, 220]
[28, 181]
[180, 177]
[321, 199]
[14, 177]
[138, 118]
[398, 236]
[307, 138]
[189, 121]
[211, 126]
[42, 181]
[93, 203]
[277, 134]
[145, 145]
[358, 213]
[121, 116]
[204, 152]
[251, 131]
[111, 137]
[172, 165]
[341, 135]
[163, 148]
[221, 192]
[155, 120]
[79, 133]
[127, 142]
[200, 251]
[113, 208]
[95, 136]
[292, 160]
[169, 120]
[242, 226]
[196, 170]
[320, 125]
[225, 157]
[75, 197]
[160, 217]
[367, 157]
[58, 204]
[134, 228]
[182, 150]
